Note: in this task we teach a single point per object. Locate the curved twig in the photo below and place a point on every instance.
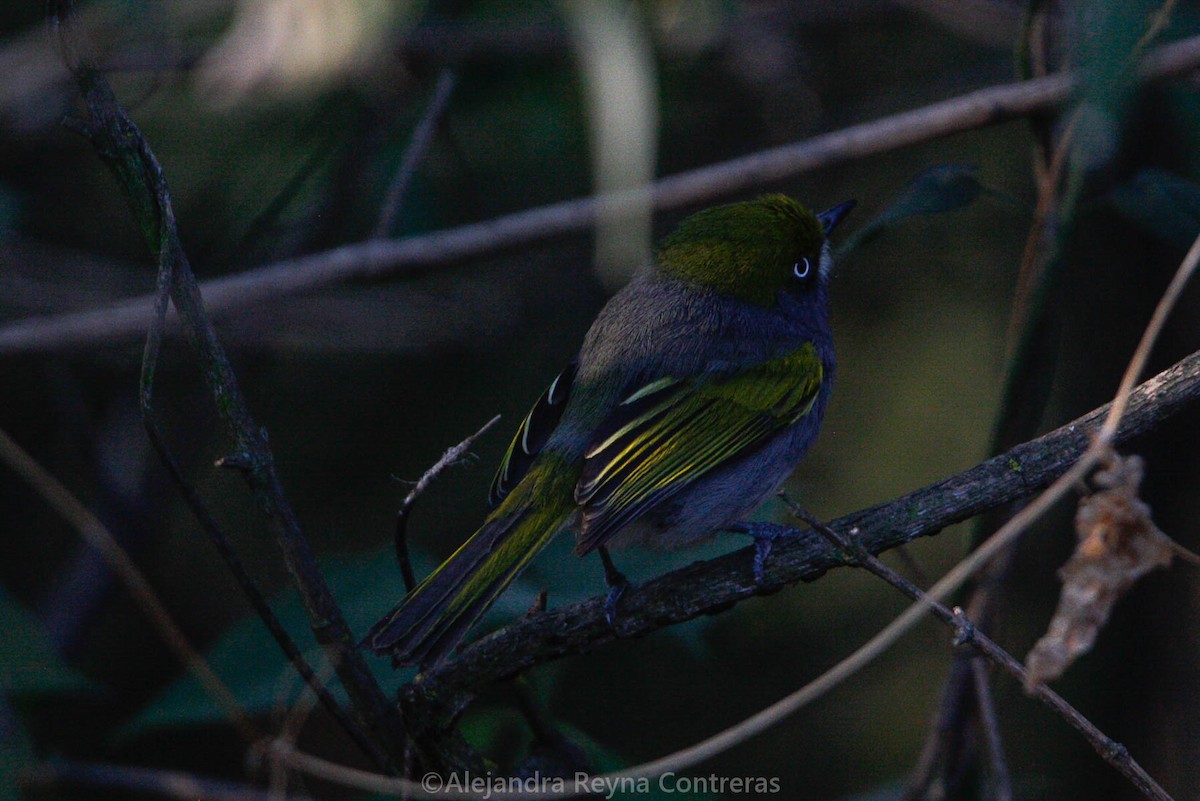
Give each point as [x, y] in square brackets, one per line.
[61, 774]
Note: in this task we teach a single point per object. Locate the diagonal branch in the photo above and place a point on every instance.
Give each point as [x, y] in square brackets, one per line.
[421, 137]
[62, 774]
[713, 585]
[95, 534]
[126, 152]
[127, 319]
[967, 634]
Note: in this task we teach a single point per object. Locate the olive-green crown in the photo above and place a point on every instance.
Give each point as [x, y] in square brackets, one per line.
[744, 249]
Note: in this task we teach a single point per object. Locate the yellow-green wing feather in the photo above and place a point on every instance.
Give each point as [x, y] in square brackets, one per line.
[432, 619]
[667, 434]
[532, 434]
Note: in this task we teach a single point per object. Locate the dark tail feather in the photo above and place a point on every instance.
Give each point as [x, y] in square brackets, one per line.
[436, 615]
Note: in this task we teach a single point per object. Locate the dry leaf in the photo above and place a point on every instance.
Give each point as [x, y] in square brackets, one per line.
[1118, 544]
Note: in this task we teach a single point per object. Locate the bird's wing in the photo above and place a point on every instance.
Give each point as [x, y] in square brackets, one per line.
[666, 434]
[532, 434]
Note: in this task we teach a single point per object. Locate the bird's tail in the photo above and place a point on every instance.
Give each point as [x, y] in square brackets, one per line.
[440, 611]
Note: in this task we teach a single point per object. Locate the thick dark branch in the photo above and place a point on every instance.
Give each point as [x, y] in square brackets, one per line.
[127, 319]
[714, 585]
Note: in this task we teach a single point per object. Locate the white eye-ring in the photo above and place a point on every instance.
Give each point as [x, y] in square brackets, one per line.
[802, 268]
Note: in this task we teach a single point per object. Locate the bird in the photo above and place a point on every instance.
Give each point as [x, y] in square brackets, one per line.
[698, 388]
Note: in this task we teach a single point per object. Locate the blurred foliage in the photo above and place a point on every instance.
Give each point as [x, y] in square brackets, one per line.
[288, 149]
[16, 753]
[28, 666]
[1163, 205]
[936, 190]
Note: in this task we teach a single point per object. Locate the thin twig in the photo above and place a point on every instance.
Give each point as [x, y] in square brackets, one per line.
[123, 148]
[1159, 21]
[255, 597]
[59, 774]
[958, 692]
[293, 724]
[452, 456]
[207, 521]
[1141, 355]
[1103, 439]
[127, 319]
[1001, 779]
[486, 659]
[267, 221]
[418, 144]
[1032, 345]
[1029, 276]
[966, 634]
[94, 533]
[793, 558]
[1032, 348]
[712, 585]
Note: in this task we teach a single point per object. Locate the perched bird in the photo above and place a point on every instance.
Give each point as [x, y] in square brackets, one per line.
[698, 388]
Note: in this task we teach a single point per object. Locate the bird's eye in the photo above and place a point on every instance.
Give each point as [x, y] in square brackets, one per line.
[802, 268]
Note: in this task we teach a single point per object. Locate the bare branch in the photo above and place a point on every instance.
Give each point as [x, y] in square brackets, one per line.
[128, 319]
[126, 152]
[452, 456]
[61, 774]
[967, 635]
[96, 535]
[713, 585]
[717, 584]
[1001, 780]
[170, 258]
[417, 145]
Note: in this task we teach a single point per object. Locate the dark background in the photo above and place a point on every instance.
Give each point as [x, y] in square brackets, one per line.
[362, 386]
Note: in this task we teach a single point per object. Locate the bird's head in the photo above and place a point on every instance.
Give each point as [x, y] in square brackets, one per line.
[755, 250]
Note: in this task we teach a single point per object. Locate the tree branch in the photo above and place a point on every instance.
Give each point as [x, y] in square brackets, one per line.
[127, 319]
[968, 635]
[126, 152]
[95, 534]
[714, 585]
[62, 774]
[422, 136]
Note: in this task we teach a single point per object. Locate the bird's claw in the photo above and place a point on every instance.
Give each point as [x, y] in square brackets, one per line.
[764, 535]
[610, 603]
[762, 549]
[617, 586]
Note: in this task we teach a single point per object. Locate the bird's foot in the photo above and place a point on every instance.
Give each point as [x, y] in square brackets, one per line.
[764, 535]
[617, 586]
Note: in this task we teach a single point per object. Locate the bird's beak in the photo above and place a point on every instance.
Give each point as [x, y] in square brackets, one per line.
[832, 216]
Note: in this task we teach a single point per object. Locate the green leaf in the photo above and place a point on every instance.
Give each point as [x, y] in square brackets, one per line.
[10, 212]
[937, 189]
[28, 665]
[1164, 205]
[16, 752]
[366, 585]
[886, 792]
[250, 662]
